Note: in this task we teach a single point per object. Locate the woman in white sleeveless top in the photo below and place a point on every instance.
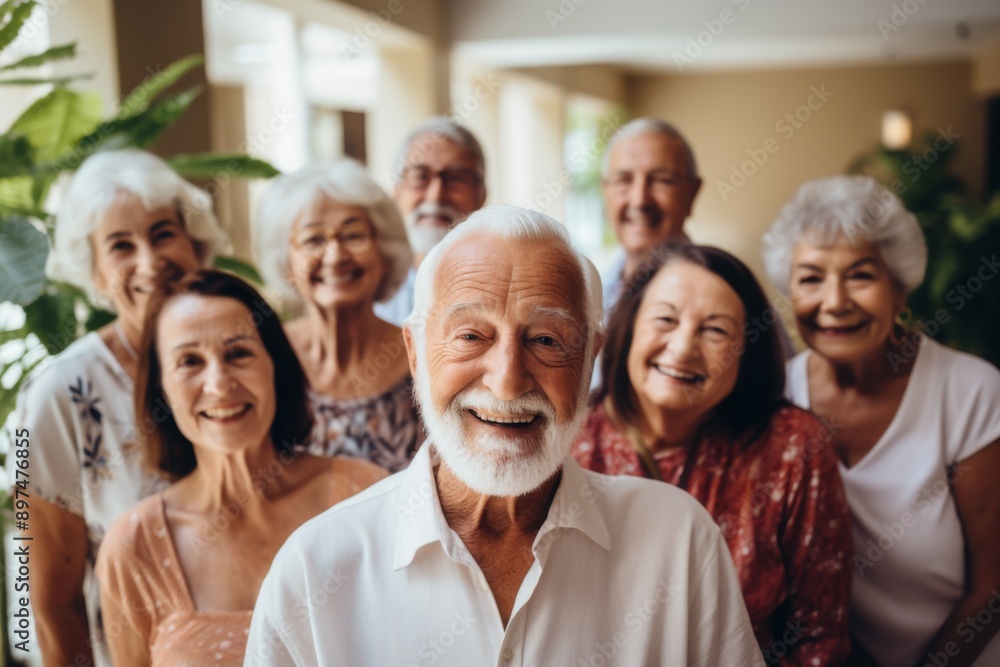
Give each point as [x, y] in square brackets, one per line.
[915, 424]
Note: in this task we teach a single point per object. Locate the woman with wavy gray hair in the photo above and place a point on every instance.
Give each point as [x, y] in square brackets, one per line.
[331, 242]
[915, 425]
[127, 222]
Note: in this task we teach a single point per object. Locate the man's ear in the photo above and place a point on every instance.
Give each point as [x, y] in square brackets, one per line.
[411, 349]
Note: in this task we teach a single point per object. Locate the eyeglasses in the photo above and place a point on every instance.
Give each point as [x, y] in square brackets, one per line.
[419, 178]
[661, 181]
[355, 239]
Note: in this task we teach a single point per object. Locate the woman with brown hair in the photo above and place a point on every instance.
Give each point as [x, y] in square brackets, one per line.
[692, 395]
[221, 406]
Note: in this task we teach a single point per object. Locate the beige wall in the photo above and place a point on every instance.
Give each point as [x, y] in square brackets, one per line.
[986, 71]
[726, 114]
[605, 82]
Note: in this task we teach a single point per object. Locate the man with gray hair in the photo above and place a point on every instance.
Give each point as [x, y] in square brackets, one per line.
[440, 180]
[650, 180]
[494, 547]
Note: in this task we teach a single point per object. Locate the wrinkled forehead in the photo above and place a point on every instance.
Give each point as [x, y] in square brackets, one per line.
[510, 279]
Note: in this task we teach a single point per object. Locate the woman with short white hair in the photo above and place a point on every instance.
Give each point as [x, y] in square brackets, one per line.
[331, 243]
[914, 423]
[127, 222]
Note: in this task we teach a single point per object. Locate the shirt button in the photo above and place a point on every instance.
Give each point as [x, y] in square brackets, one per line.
[508, 655]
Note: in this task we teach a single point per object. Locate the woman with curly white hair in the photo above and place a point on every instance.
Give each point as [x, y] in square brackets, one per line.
[332, 244]
[126, 222]
[915, 424]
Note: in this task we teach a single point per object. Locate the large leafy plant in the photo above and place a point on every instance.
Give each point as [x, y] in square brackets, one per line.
[954, 303]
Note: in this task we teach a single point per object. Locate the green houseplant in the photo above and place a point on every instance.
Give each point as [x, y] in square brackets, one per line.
[39, 318]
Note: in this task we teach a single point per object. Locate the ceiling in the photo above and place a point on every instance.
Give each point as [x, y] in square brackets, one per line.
[680, 36]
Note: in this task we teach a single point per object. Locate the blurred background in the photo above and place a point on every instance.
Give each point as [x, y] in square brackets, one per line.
[544, 83]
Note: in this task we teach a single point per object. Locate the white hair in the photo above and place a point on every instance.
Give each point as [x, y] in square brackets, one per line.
[441, 126]
[647, 125]
[506, 224]
[293, 195]
[855, 207]
[100, 181]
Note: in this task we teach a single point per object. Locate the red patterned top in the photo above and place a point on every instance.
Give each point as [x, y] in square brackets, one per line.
[781, 507]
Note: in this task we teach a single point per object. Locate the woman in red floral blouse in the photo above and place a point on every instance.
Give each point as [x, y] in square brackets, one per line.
[692, 395]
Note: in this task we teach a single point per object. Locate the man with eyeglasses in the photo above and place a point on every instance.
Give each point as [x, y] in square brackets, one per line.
[441, 181]
[650, 182]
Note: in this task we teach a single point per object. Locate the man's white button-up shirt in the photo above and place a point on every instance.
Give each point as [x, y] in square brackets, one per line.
[627, 571]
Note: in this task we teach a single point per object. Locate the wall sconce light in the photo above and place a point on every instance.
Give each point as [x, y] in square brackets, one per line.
[897, 129]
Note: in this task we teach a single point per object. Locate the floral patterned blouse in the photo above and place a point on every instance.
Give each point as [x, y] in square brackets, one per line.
[781, 508]
[384, 429]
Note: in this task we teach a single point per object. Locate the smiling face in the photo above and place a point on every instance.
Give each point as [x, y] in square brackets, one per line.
[333, 258]
[688, 331]
[649, 190]
[134, 250]
[503, 367]
[217, 376]
[441, 183]
[845, 299]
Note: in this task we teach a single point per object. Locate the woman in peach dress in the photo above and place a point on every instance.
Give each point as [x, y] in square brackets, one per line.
[221, 408]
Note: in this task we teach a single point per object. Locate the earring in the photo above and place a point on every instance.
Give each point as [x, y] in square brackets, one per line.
[901, 326]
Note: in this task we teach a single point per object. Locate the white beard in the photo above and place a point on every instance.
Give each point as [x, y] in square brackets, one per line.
[424, 237]
[497, 466]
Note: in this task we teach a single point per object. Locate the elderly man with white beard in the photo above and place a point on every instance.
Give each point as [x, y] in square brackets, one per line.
[494, 547]
[441, 179]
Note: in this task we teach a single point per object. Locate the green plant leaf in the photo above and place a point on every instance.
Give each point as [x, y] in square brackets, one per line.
[143, 94]
[55, 53]
[17, 158]
[207, 165]
[52, 317]
[13, 334]
[58, 82]
[97, 319]
[8, 397]
[140, 130]
[18, 15]
[17, 212]
[23, 250]
[243, 269]
[15, 195]
[57, 121]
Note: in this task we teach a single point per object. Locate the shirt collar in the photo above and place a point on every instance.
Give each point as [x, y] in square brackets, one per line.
[418, 509]
[576, 506]
[421, 521]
